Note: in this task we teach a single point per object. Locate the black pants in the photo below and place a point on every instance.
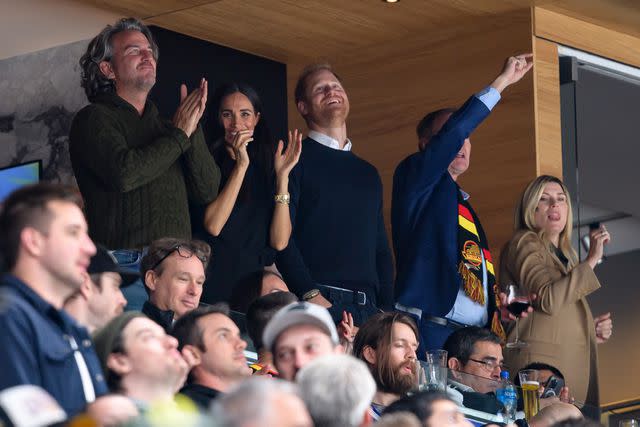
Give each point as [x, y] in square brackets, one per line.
[350, 302]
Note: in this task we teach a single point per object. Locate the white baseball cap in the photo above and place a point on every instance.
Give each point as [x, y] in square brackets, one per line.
[299, 313]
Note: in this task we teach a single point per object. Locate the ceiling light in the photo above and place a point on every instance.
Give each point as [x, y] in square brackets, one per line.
[391, 1]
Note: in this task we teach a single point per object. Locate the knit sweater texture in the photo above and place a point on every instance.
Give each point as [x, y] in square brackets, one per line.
[137, 173]
[339, 237]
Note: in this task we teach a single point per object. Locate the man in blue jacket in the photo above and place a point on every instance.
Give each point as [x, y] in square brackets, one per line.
[46, 250]
[445, 274]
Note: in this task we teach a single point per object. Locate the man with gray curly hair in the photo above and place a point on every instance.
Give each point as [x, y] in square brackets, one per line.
[136, 171]
[261, 402]
[337, 390]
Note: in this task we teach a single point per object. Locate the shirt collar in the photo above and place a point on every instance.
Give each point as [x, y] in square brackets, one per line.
[328, 141]
[66, 322]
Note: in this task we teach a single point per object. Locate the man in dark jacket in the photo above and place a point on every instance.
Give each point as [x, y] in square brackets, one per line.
[46, 250]
[173, 272]
[445, 275]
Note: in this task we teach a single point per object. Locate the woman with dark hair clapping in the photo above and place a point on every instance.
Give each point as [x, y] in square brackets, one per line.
[249, 220]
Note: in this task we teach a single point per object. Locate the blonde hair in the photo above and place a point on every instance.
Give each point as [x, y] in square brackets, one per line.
[524, 218]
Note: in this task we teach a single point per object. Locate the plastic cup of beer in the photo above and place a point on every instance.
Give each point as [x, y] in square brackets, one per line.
[530, 385]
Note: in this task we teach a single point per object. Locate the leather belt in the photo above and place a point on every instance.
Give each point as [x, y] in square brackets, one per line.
[358, 297]
[442, 321]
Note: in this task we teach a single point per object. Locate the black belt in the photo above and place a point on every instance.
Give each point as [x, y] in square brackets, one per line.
[357, 297]
[443, 321]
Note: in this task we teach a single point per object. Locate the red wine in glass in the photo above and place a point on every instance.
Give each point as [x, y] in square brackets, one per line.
[517, 307]
[517, 302]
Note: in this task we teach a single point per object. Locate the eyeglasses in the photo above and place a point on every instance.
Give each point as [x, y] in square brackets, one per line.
[182, 250]
[490, 365]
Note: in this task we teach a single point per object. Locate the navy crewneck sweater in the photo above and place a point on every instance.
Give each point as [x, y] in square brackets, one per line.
[339, 238]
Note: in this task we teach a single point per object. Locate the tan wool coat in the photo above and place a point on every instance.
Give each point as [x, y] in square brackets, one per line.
[560, 331]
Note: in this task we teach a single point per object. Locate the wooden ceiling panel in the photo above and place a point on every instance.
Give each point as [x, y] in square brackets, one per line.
[146, 8]
[289, 29]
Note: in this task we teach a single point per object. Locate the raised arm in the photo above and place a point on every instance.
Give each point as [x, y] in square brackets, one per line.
[218, 211]
[284, 161]
[530, 266]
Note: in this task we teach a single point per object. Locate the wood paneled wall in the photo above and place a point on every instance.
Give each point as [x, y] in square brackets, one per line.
[394, 85]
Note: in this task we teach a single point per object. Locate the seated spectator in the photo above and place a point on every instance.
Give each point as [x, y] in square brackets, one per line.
[261, 402]
[140, 360]
[545, 372]
[112, 410]
[399, 419]
[337, 390]
[433, 409]
[577, 422]
[46, 251]
[174, 278]
[214, 344]
[259, 314]
[254, 286]
[478, 352]
[99, 299]
[387, 342]
[299, 333]
[552, 414]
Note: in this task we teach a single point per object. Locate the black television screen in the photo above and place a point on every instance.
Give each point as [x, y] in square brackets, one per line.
[16, 176]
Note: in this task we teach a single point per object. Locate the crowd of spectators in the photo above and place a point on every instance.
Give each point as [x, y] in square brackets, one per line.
[258, 274]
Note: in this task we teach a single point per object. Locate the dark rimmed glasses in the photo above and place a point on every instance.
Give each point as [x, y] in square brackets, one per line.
[184, 251]
[490, 365]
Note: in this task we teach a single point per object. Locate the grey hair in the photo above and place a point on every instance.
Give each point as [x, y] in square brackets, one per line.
[101, 49]
[337, 390]
[233, 409]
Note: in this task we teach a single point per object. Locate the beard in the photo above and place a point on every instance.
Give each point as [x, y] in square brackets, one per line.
[398, 380]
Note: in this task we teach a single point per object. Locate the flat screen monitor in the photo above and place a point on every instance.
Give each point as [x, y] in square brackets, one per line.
[16, 176]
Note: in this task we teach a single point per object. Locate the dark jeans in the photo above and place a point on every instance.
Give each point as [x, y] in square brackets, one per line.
[135, 293]
[347, 301]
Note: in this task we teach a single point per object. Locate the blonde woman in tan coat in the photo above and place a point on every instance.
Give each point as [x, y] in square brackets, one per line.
[539, 258]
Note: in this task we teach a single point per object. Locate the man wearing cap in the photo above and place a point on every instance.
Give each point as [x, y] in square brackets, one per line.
[46, 251]
[299, 333]
[140, 360]
[100, 299]
[173, 271]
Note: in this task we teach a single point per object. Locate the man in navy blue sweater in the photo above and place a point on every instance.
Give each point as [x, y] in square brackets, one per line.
[444, 268]
[339, 254]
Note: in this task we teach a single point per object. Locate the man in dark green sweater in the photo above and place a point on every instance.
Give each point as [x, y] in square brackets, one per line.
[137, 171]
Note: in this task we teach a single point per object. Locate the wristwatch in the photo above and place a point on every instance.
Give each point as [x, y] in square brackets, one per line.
[311, 294]
[282, 198]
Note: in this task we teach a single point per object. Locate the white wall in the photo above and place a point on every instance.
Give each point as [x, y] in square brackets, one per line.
[32, 25]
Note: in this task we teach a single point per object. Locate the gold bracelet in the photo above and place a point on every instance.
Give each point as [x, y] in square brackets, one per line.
[311, 294]
[282, 198]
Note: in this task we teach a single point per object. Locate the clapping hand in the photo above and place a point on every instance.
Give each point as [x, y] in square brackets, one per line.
[191, 108]
[285, 160]
[515, 67]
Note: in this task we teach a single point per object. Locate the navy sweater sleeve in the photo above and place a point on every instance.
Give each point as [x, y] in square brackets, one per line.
[290, 261]
[416, 176]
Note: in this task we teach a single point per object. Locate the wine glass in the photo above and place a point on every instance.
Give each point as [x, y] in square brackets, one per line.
[517, 302]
